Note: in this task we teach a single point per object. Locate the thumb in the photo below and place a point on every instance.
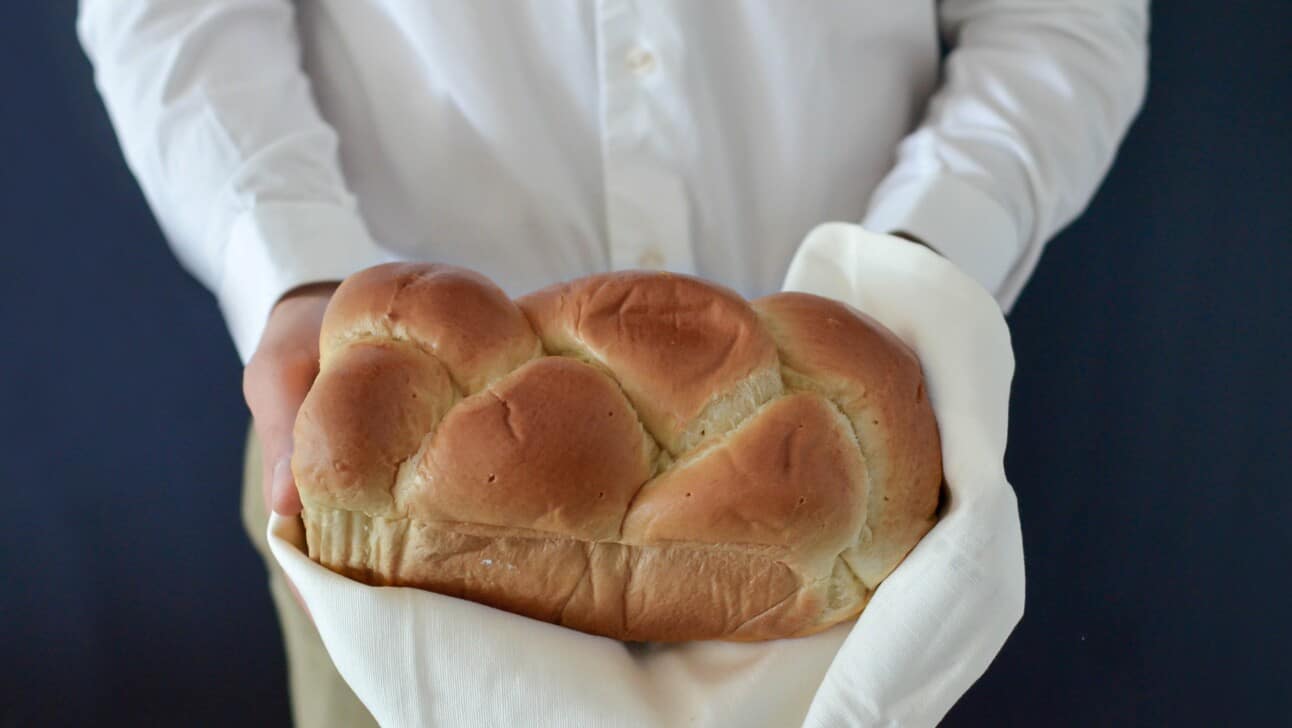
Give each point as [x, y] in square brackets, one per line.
[284, 498]
[275, 390]
[276, 381]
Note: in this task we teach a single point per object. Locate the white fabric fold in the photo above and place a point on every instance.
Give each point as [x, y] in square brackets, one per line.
[953, 217]
[418, 659]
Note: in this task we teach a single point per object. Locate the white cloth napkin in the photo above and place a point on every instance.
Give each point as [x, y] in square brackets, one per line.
[421, 659]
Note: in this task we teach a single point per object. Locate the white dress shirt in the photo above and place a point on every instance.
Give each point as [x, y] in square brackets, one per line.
[284, 143]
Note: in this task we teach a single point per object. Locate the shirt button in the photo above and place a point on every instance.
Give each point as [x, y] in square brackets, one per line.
[641, 61]
[651, 258]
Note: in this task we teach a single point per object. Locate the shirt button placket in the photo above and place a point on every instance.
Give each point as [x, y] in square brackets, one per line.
[646, 206]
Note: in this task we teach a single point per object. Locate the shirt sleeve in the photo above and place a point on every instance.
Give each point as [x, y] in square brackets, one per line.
[217, 122]
[1035, 97]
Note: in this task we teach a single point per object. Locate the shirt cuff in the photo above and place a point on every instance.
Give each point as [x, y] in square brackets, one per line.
[959, 221]
[275, 248]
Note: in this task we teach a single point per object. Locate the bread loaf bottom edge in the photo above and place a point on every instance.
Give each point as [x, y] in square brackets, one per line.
[669, 592]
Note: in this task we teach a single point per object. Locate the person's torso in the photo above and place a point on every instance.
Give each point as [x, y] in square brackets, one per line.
[538, 141]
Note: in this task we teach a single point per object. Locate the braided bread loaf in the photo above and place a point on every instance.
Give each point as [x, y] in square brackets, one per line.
[638, 455]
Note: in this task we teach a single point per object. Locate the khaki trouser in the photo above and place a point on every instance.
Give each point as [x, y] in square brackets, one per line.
[320, 698]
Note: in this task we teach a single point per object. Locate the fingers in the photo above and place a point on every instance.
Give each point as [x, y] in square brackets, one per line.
[284, 498]
[275, 383]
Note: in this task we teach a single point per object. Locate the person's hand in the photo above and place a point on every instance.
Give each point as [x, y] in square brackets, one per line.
[275, 382]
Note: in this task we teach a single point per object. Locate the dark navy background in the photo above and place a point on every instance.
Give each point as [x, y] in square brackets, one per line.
[1149, 443]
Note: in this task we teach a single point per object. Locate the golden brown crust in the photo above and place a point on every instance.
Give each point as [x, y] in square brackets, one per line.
[655, 459]
[458, 315]
[875, 379]
[375, 405]
[676, 344]
[790, 479]
[553, 447]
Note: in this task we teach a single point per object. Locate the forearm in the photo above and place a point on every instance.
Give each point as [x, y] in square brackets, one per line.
[1036, 96]
[217, 122]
